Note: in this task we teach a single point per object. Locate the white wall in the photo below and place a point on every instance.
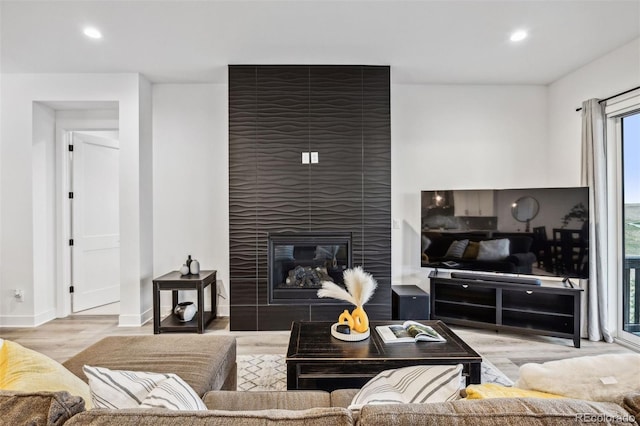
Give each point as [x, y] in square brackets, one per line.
[459, 137]
[19, 91]
[191, 184]
[613, 73]
[44, 235]
[145, 303]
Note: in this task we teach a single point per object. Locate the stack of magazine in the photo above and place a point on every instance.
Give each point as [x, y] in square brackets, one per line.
[409, 331]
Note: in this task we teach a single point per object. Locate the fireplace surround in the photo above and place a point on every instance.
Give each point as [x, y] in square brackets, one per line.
[277, 114]
[299, 262]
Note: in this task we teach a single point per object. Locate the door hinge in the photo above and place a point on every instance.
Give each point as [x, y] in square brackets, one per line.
[71, 195]
[71, 289]
[71, 242]
[70, 148]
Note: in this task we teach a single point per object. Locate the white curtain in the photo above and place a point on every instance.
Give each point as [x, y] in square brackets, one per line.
[594, 175]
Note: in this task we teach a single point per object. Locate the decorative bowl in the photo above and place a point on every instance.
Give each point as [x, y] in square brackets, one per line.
[185, 311]
[353, 337]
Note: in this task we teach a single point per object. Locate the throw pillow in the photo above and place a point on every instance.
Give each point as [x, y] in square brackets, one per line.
[283, 252]
[135, 389]
[471, 252]
[493, 390]
[23, 369]
[456, 249]
[493, 249]
[415, 384]
[605, 378]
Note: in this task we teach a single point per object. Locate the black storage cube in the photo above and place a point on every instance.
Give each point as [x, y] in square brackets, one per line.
[409, 302]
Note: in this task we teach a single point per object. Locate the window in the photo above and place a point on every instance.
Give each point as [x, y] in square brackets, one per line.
[630, 126]
[623, 138]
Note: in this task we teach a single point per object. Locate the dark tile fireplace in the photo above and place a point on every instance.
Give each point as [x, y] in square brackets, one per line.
[299, 263]
[310, 157]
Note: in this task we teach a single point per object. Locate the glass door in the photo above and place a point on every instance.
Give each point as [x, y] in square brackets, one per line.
[631, 227]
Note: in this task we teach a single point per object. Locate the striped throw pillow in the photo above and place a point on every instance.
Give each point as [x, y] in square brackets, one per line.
[135, 389]
[416, 384]
[283, 252]
[456, 249]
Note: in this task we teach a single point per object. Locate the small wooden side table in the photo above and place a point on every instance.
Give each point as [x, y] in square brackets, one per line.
[174, 282]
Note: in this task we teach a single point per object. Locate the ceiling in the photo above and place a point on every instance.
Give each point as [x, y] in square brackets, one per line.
[438, 42]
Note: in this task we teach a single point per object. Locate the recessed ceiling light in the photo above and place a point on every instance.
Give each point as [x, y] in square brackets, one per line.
[518, 35]
[92, 32]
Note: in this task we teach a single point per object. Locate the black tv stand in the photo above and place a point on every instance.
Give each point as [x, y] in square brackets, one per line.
[503, 303]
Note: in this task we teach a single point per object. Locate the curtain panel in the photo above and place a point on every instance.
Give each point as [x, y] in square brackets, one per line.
[594, 175]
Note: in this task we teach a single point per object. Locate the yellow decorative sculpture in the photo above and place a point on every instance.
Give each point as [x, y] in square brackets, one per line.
[360, 286]
[346, 316]
[360, 319]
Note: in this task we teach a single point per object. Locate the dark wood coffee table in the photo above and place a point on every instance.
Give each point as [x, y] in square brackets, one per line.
[317, 360]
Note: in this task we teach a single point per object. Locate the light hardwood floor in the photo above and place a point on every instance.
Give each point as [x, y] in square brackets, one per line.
[62, 338]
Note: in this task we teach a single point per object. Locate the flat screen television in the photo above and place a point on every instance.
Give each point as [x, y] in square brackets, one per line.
[536, 231]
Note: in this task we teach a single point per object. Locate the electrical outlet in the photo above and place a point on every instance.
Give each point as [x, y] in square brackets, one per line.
[18, 294]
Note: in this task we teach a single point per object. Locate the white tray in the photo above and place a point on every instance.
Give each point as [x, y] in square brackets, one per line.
[353, 337]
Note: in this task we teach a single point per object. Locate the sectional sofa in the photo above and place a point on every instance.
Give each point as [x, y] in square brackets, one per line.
[207, 363]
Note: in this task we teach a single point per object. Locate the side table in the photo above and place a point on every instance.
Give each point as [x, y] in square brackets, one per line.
[174, 282]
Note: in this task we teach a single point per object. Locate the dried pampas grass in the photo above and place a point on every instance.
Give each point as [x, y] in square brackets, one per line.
[360, 287]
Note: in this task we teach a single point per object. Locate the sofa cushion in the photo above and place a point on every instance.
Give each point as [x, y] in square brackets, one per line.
[133, 389]
[263, 400]
[204, 361]
[498, 411]
[606, 377]
[22, 369]
[328, 416]
[415, 384]
[631, 403]
[38, 408]
[343, 397]
[493, 249]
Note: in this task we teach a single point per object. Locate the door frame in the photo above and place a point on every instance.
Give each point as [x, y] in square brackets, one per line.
[63, 264]
[616, 108]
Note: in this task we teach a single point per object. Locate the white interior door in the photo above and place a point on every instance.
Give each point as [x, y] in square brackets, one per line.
[95, 221]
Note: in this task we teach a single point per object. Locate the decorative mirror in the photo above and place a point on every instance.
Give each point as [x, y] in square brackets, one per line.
[525, 209]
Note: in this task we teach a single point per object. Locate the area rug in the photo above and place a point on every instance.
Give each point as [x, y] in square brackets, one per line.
[265, 372]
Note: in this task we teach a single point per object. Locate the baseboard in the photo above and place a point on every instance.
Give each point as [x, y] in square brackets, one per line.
[223, 310]
[44, 317]
[135, 320]
[12, 321]
[26, 321]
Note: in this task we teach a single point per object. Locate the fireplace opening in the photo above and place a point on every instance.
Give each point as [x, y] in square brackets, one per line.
[300, 262]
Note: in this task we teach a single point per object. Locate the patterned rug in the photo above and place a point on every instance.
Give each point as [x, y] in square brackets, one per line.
[269, 372]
